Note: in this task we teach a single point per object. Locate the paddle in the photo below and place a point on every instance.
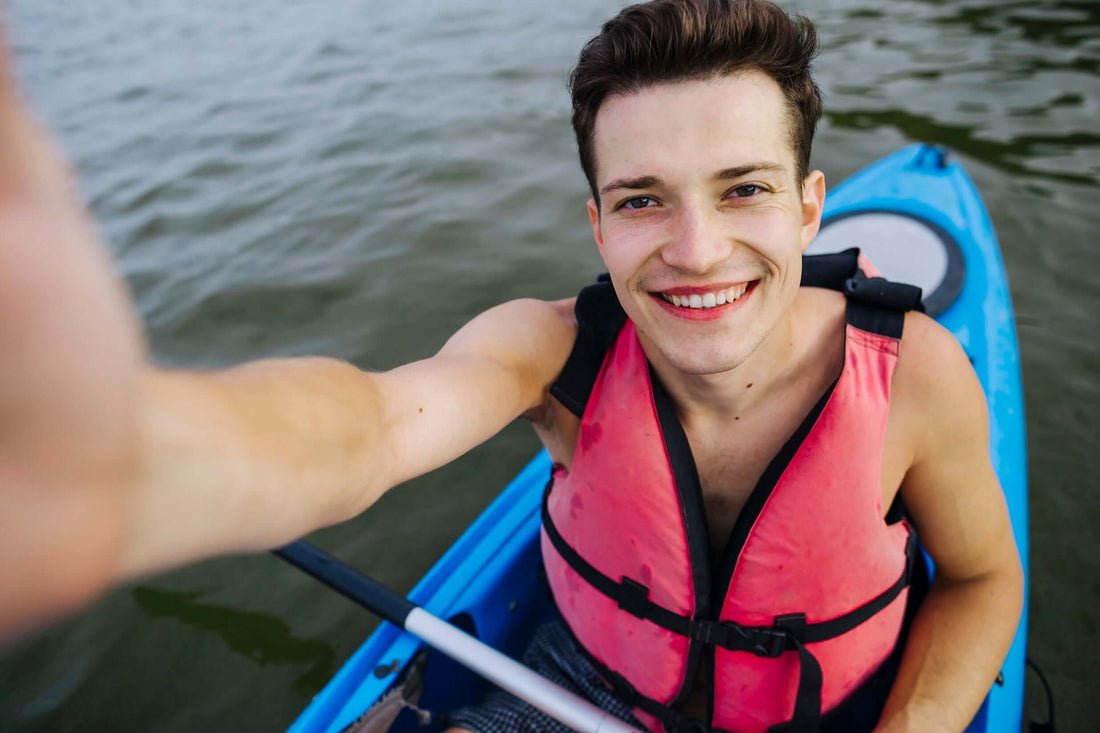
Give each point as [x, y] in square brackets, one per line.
[477, 656]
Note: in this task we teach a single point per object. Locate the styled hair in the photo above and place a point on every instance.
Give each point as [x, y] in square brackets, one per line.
[685, 40]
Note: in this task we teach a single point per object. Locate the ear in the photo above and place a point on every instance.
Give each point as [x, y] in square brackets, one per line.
[813, 201]
[594, 220]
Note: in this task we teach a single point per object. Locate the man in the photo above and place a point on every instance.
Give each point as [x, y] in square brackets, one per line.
[694, 123]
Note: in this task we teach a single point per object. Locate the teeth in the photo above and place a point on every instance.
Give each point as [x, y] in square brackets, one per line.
[708, 300]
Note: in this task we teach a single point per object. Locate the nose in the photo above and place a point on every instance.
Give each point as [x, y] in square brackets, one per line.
[697, 242]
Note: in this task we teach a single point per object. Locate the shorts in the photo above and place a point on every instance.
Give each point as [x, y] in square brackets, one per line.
[553, 654]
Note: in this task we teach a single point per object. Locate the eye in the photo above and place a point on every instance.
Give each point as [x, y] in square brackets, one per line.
[745, 191]
[637, 202]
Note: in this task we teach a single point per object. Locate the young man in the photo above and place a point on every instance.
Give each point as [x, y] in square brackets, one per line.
[666, 400]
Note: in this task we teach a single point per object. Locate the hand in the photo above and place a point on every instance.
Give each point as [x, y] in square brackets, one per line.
[71, 354]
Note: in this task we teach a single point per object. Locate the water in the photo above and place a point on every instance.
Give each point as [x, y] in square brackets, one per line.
[358, 179]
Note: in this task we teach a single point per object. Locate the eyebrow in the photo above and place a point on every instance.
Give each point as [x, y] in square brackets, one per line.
[631, 183]
[742, 170]
[725, 174]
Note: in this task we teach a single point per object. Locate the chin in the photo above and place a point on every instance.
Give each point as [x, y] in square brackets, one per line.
[705, 363]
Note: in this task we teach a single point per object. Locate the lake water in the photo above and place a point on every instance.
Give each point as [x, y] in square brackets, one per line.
[358, 179]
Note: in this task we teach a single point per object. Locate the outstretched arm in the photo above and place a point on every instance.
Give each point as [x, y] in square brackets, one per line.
[110, 468]
[965, 626]
[253, 456]
[70, 359]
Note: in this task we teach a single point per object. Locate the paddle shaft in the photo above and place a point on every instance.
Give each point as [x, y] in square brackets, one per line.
[501, 670]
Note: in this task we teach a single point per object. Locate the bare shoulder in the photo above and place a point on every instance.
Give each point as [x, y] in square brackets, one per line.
[950, 489]
[527, 338]
[932, 366]
[518, 332]
[935, 389]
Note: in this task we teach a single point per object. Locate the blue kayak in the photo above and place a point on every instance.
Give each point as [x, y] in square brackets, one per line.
[919, 218]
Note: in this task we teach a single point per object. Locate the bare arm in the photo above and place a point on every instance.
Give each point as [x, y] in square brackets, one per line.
[253, 456]
[70, 357]
[964, 628]
[110, 468]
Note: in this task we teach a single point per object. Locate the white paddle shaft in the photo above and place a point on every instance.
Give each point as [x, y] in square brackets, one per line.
[510, 675]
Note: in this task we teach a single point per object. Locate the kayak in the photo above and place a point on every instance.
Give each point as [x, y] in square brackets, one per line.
[919, 218]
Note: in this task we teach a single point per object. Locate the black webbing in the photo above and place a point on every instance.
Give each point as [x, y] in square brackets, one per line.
[599, 318]
[630, 595]
[807, 702]
[672, 720]
[829, 271]
[789, 633]
[883, 293]
[842, 624]
[765, 641]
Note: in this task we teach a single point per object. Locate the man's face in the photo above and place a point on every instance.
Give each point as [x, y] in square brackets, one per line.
[700, 206]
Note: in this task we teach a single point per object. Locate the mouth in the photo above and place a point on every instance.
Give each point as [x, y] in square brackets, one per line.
[705, 300]
[703, 304]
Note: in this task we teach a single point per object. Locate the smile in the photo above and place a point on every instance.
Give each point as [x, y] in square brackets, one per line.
[706, 300]
[702, 303]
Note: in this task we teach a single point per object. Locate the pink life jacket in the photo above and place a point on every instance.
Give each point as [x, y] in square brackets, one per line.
[809, 597]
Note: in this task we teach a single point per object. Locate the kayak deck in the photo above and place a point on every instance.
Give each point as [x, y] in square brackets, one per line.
[490, 581]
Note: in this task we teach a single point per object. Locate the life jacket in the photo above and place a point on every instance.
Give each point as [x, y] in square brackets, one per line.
[809, 597]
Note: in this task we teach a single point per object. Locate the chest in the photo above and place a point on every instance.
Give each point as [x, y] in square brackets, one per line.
[732, 456]
[733, 462]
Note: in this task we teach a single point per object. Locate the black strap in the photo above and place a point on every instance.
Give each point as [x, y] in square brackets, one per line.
[842, 624]
[630, 595]
[764, 641]
[807, 702]
[599, 319]
[672, 720]
[829, 271]
[789, 633]
[882, 293]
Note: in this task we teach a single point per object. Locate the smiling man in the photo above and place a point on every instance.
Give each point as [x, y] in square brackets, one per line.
[742, 455]
[727, 444]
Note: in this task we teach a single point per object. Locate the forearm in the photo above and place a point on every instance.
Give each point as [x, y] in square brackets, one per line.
[251, 457]
[957, 643]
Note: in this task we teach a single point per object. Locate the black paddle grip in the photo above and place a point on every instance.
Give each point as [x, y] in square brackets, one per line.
[347, 581]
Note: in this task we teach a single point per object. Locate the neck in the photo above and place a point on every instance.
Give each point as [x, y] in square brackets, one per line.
[736, 391]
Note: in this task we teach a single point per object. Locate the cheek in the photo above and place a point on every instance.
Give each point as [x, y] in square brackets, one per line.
[771, 231]
[626, 247]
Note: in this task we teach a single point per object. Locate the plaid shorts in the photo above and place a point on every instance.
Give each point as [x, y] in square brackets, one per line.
[554, 655]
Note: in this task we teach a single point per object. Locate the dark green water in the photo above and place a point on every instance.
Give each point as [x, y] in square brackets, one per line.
[358, 179]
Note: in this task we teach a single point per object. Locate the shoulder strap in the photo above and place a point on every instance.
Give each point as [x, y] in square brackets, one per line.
[599, 320]
[875, 304]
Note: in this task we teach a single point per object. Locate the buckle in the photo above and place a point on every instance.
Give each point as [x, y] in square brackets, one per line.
[768, 642]
[715, 633]
[762, 641]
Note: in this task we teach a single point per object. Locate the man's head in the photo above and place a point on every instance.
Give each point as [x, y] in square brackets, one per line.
[682, 40]
[694, 119]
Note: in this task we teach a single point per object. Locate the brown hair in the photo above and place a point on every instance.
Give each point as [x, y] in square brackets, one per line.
[681, 40]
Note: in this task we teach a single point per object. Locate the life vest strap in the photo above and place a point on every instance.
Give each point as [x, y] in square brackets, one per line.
[672, 720]
[788, 633]
[763, 641]
[883, 293]
[807, 702]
